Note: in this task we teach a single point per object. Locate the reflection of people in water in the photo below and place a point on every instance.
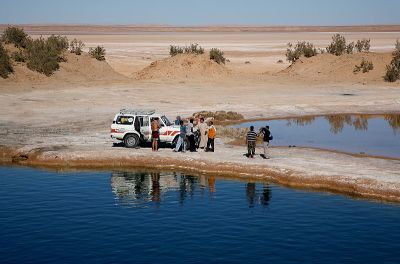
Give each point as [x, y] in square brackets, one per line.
[266, 195]
[187, 185]
[251, 193]
[253, 197]
[155, 192]
[211, 184]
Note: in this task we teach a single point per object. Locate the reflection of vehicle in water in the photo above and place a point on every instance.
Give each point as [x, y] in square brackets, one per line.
[141, 189]
[138, 188]
[133, 188]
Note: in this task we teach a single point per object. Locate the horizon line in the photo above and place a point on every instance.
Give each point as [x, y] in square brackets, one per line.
[196, 25]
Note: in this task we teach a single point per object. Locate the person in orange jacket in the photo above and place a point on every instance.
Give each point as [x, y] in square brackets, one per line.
[211, 136]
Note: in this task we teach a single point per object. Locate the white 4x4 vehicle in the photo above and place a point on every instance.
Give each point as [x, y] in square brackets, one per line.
[123, 127]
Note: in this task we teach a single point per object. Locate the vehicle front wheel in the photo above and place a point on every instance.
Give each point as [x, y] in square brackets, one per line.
[131, 141]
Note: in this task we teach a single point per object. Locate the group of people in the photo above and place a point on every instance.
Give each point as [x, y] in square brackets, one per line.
[251, 139]
[200, 135]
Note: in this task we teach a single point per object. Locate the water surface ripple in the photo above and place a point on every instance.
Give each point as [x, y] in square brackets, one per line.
[153, 217]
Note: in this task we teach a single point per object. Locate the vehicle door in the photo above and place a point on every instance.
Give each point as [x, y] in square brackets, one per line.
[163, 131]
[123, 124]
[145, 128]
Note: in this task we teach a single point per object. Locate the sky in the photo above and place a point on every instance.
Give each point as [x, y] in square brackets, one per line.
[201, 12]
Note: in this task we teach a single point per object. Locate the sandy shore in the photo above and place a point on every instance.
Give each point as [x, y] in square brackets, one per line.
[67, 123]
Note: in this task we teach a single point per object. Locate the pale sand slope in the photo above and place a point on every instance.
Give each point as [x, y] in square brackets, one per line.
[77, 69]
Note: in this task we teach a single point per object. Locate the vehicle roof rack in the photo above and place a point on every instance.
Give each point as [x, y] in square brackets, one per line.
[127, 111]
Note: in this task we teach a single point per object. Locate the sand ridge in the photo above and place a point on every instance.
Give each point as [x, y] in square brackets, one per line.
[183, 66]
[76, 69]
[328, 67]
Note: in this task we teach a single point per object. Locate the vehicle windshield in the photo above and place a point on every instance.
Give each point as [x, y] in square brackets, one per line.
[166, 121]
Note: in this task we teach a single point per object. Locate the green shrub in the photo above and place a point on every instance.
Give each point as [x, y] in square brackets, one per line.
[43, 55]
[350, 48]
[392, 73]
[194, 49]
[175, 50]
[365, 66]
[16, 36]
[217, 56]
[98, 53]
[75, 46]
[393, 69]
[191, 49]
[363, 45]
[305, 49]
[337, 46]
[59, 44]
[396, 52]
[5, 63]
[19, 56]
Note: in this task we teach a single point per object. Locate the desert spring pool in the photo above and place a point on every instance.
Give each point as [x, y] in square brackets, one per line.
[164, 217]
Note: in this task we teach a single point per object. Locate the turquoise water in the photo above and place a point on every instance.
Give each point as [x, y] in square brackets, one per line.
[150, 217]
[373, 135]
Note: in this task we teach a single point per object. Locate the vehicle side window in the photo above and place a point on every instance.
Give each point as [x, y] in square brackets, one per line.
[144, 121]
[124, 120]
[166, 121]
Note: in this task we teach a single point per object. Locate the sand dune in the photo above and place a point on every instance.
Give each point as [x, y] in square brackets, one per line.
[327, 67]
[77, 69]
[183, 66]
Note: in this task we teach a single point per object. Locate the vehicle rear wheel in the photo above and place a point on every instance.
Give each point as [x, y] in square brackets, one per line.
[131, 141]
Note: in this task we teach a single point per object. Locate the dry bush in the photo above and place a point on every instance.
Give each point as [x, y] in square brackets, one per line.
[365, 66]
[191, 49]
[350, 48]
[363, 45]
[5, 63]
[194, 49]
[98, 53]
[393, 69]
[217, 56]
[338, 45]
[19, 56]
[306, 49]
[76, 46]
[16, 36]
[44, 55]
[175, 50]
[220, 115]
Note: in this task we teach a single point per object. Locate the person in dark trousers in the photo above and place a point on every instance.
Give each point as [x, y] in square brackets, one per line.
[190, 135]
[211, 137]
[251, 142]
[137, 128]
[266, 138]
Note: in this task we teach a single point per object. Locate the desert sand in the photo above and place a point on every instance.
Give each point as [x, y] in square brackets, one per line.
[64, 120]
